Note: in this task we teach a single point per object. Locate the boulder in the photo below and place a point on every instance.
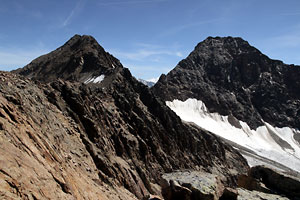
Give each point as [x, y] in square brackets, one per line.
[229, 194]
[250, 183]
[256, 195]
[277, 181]
[191, 185]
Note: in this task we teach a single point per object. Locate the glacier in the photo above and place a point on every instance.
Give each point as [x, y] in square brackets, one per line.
[260, 146]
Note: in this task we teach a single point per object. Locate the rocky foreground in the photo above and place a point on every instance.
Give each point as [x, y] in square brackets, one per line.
[63, 136]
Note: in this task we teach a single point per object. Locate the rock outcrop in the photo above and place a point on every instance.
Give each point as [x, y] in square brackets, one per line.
[192, 185]
[260, 183]
[233, 78]
[65, 137]
[277, 181]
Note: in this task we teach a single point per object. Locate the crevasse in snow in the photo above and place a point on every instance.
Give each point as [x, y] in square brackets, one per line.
[277, 144]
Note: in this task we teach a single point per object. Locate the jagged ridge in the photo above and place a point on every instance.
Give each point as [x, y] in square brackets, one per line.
[117, 131]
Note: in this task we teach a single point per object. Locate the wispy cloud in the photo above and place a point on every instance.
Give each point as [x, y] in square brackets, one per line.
[144, 53]
[148, 60]
[182, 27]
[150, 52]
[109, 3]
[78, 7]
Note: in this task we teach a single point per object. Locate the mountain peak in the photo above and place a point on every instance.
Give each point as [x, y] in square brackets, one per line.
[81, 58]
[82, 41]
[225, 41]
[234, 78]
[230, 46]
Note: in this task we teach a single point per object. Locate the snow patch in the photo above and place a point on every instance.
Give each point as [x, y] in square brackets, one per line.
[95, 79]
[261, 140]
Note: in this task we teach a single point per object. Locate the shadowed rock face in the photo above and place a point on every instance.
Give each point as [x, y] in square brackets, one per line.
[114, 135]
[78, 59]
[232, 77]
[277, 181]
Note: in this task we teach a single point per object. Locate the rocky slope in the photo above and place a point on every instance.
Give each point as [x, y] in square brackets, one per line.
[67, 137]
[233, 78]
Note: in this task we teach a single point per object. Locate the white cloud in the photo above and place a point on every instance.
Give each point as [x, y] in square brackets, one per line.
[79, 6]
[150, 52]
[149, 60]
[144, 53]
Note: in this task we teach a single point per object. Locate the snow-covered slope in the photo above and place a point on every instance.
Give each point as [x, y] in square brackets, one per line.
[260, 146]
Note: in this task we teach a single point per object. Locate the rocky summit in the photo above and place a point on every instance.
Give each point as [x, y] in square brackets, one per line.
[75, 124]
[233, 78]
[79, 59]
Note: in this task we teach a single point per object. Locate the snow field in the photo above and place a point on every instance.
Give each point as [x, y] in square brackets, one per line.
[261, 140]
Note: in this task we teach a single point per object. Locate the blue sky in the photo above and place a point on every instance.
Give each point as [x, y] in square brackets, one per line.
[149, 36]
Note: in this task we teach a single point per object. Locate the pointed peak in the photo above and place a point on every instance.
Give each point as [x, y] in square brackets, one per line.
[81, 38]
[82, 41]
[232, 45]
[81, 58]
[224, 41]
[227, 39]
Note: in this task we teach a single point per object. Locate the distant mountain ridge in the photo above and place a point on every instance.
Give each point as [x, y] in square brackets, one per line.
[147, 83]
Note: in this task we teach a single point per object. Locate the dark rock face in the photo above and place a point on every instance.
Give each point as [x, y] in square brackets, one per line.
[276, 181]
[232, 77]
[78, 59]
[128, 136]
